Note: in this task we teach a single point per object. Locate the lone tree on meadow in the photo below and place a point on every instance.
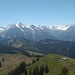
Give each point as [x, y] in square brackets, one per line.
[0, 64]
[46, 69]
[23, 68]
[3, 59]
[33, 61]
[37, 58]
[64, 71]
[41, 70]
[30, 71]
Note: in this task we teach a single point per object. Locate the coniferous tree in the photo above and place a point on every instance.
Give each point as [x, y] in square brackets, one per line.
[25, 71]
[37, 58]
[0, 64]
[35, 71]
[28, 64]
[41, 71]
[64, 71]
[33, 61]
[22, 67]
[30, 72]
[12, 72]
[46, 69]
[43, 68]
[17, 71]
[3, 59]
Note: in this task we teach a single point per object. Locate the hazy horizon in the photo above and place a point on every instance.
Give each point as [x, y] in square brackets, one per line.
[37, 25]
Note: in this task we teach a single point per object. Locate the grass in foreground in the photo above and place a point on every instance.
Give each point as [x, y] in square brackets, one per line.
[11, 61]
[55, 65]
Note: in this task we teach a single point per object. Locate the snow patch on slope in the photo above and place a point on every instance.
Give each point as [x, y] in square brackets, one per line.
[2, 29]
[59, 27]
[20, 25]
[29, 27]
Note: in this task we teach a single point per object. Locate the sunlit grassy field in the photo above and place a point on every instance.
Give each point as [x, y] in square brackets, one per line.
[55, 65]
[11, 61]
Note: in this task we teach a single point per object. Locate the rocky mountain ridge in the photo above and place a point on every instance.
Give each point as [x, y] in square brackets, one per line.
[36, 33]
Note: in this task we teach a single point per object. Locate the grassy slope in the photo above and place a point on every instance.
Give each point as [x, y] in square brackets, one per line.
[12, 61]
[55, 65]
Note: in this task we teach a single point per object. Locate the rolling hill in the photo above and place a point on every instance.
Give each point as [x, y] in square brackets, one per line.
[55, 65]
[11, 61]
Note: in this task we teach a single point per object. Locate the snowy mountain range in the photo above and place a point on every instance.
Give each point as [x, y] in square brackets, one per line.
[52, 27]
[36, 33]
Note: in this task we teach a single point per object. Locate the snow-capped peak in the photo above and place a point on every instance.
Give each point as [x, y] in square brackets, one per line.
[20, 25]
[32, 27]
[29, 27]
[10, 26]
[59, 27]
[2, 29]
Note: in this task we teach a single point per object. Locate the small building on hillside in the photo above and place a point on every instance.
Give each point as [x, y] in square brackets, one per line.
[62, 59]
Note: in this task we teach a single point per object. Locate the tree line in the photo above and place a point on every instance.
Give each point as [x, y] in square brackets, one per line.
[21, 70]
[39, 70]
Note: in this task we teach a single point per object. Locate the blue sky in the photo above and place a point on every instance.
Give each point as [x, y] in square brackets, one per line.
[37, 12]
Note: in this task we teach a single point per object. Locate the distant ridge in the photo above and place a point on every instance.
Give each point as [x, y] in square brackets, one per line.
[36, 33]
